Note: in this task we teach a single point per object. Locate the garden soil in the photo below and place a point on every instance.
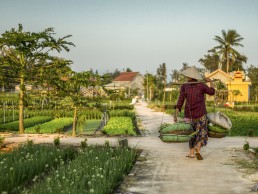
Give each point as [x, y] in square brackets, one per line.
[163, 168]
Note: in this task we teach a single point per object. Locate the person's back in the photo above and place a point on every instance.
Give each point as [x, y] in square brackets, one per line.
[195, 99]
[193, 92]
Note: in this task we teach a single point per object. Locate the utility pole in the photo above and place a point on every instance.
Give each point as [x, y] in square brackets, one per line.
[164, 92]
[147, 89]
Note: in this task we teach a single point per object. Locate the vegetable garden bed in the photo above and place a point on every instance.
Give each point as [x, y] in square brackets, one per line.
[119, 126]
[48, 169]
[55, 126]
[29, 122]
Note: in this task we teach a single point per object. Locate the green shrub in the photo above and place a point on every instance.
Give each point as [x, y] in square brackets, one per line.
[246, 146]
[1, 140]
[84, 143]
[29, 142]
[57, 141]
[250, 132]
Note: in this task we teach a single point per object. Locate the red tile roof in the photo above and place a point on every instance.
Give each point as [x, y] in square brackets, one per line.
[126, 76]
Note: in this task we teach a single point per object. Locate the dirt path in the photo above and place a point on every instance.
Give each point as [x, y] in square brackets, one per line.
[163, 167]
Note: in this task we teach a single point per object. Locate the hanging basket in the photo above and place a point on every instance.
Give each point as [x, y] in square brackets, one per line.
[216, 135]
[174, 138]
[177, 128]
[216, 129]
[220, 119]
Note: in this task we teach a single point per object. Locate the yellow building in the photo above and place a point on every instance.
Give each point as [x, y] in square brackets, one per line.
[238, 90]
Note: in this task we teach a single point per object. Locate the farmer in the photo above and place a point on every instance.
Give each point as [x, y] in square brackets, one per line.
[195, 109]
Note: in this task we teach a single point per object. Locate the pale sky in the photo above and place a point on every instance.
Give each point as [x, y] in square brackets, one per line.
[139, 34]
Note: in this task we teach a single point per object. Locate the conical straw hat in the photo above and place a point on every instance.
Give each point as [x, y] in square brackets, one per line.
[192, 72]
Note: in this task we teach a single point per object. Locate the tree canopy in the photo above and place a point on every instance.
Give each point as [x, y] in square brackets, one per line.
[225, 49]
[26, 53]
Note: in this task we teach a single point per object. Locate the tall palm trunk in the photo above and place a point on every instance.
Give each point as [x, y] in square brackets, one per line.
[151, 93]
[227, 61]
[21, 105]
[74, 121]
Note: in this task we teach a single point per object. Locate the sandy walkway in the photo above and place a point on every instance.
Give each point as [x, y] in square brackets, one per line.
[163, 167]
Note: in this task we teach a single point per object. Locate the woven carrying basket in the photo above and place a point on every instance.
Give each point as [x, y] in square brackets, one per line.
[216, 129]
[220, 119]
[177, 128]
[216, 135]
[174, 138]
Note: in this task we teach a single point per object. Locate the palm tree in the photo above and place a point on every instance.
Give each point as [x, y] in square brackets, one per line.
[185, 65]
[162, 79]
[228, 40]
[175, 75]
[211, 61]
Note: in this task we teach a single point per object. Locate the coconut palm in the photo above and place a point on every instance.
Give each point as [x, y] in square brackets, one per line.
[162, 79]
[211, 61]
[175, 75]
[185, 65]
[225, 49]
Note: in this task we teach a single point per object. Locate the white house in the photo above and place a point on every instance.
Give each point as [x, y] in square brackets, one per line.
[128, 80]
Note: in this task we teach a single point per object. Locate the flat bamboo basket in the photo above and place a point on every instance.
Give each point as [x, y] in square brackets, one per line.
[216, 135]
[177, 128]
[174, 138]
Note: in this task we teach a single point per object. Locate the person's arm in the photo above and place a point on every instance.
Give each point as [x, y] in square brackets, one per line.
[176, 114]
[209, 90]
[180, 103]
[211, 82]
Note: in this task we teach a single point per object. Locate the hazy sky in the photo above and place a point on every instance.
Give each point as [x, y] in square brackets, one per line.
[139, 34]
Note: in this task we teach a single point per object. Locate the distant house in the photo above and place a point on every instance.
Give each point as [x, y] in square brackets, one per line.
[28, 88]
[93, 91]
[127, 81]
[221, 75]
[237, 86]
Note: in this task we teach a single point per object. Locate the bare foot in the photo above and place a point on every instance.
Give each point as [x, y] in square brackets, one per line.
[190, 156]
[197, 154]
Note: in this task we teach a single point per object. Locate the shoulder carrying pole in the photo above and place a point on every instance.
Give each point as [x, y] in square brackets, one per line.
[203, 81]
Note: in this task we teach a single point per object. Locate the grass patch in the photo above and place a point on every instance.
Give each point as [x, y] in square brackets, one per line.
[243, 123]
[248, 163]
[87, 127]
